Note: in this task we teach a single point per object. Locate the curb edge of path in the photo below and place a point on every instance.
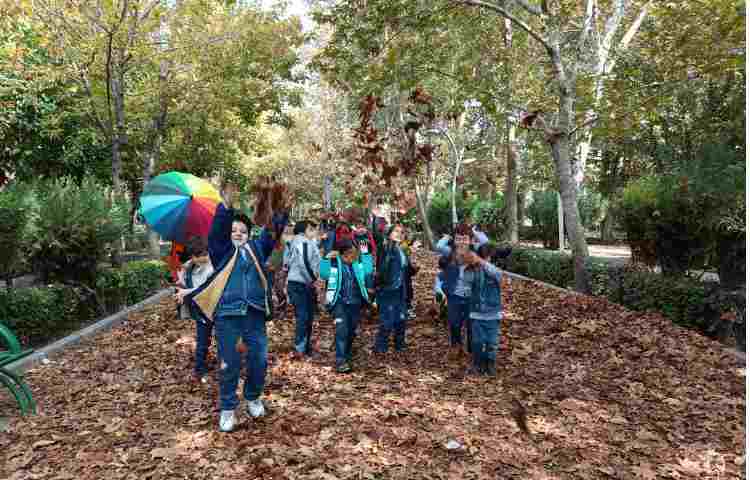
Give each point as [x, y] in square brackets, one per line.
[19, 366]
[737, 354]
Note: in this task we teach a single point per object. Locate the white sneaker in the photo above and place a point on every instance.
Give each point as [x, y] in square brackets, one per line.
[227, 421]
[255, 408]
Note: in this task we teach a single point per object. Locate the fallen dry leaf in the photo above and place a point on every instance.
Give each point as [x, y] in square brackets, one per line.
[607, 393]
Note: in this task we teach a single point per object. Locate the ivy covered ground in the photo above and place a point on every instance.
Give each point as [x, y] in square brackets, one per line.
[607, 394]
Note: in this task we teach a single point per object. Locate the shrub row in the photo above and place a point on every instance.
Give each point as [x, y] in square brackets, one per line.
[685, 301]
[40, 314]
[130, 283]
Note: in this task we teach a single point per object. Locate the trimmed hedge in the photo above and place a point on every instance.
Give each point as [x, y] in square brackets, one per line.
[130, 283]
[40, 314]
[685, 301]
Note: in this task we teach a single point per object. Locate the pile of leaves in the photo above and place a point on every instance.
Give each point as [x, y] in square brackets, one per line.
[606, 393]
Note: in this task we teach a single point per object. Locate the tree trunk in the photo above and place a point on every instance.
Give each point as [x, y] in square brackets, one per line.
[154, 155]
[154, 249]
[604, 65]
[560, 224]
[511, 187]
[521, 206]
[118, 136]
[327, 193]
[454, 211]
[426, 229]
[608, 224]
[560, 143]
[570, 208]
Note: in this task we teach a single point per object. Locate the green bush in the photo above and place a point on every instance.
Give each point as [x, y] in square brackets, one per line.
[75, 225]
[685, 301]
[543, 214]
[440, 214]
[137, 240]
[41, 313]
[489, 214]
[16, 216]
[590, 210]
[131, 283]
[679, 220]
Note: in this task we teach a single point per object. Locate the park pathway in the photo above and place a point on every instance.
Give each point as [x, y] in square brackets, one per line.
[608, 393]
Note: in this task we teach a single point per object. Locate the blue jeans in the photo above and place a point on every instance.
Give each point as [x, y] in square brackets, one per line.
[252, 329]
[346, 321]
[458, 316]
[300, 295]
[485, 338]
[391, 319]
[202, 344]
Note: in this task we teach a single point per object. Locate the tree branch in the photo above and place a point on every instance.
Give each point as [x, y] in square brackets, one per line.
[501, 11]
[585, 124]
[533, 9]
[628, 37]
[587, 24]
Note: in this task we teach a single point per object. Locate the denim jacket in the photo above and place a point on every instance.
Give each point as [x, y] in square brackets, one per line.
[486, 302]
[451, 271]
[243, 288]
[390, 268]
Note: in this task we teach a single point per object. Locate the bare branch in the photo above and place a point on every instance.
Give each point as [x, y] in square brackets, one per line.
[588, 23]
[585, 124]
[147, 10]
[549, 133]
[500, 10]
[628, 37]
[533, 9]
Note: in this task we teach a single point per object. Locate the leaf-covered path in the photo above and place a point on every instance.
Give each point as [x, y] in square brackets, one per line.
[609, 394]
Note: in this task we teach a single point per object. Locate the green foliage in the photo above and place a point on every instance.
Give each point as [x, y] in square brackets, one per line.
[440, 213]
[678, 219]
[42, 132]
[489, 213]
[685, 301]
[131, 283]
[590, 210]
[411, 220]
[40, 313]
[550, 267]
[15, 214]
[76, 223]
[543, 214]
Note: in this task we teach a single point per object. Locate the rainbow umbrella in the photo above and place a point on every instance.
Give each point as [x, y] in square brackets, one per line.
[179, 205]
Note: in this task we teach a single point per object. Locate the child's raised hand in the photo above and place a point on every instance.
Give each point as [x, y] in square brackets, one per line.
[230, 194]
[181, 293]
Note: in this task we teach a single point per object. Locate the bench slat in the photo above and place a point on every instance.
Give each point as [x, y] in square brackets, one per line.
[10, 340]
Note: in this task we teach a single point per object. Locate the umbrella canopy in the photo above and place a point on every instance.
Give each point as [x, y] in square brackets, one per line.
[179, 205]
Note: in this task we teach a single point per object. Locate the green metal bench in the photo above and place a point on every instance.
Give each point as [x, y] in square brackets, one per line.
[12, 352]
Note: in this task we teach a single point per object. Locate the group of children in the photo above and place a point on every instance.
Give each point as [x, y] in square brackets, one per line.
[469, 285]
[229, 282]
